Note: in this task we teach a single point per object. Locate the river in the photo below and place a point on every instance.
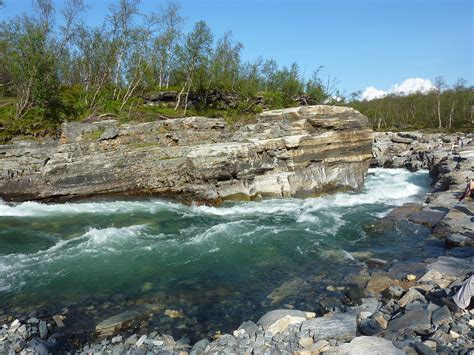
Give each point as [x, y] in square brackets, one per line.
[215, 265]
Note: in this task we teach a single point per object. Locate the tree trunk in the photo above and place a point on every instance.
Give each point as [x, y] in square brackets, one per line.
[187, 95]
[439, 112]
[178, 101]
[451, 114]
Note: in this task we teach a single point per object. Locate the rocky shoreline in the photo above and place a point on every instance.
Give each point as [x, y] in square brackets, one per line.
[392, 309]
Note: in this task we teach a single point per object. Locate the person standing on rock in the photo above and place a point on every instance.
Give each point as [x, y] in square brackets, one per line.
[469, 191]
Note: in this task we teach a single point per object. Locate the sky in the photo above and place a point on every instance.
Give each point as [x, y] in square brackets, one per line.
[376, 46]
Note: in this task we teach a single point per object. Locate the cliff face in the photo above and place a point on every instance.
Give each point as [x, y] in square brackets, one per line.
[298, 152]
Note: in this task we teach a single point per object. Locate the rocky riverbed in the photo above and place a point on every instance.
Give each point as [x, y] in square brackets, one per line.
[390, 308]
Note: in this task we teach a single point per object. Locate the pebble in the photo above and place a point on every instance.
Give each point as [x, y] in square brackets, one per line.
[116, 339]
[141, 341]
[454, 334]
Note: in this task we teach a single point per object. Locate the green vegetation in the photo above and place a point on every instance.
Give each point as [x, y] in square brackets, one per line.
[451, 109]
[54, 68]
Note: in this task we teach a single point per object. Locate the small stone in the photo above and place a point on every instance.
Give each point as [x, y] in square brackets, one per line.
[310, 315]
[22, 329]
[249, 328]
[381, 321]
[169, 340]
[43, 329]
[431, 344]
[320, 346]
[471, 323]
[364, 315]
[440, 337]
[305, 342]
[454, 334]
[154, 342]
[173, 313]
[410, 296]
[370, 305]
[140, 341]
[59, 321]
[411, 277]
[376, 262]
[370, 327]
[132, 339]
[33, 321]
[455, 240]
[393, 292]
[19, 346]
[116, 339]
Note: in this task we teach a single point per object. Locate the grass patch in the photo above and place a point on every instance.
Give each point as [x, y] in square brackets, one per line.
[93, 136]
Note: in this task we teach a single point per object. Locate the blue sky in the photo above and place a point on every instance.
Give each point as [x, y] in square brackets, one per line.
[362, 43]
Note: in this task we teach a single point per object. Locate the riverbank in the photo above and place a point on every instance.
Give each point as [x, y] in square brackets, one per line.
[407, 313]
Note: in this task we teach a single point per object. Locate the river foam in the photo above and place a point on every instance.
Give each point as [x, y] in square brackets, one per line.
[158, 236]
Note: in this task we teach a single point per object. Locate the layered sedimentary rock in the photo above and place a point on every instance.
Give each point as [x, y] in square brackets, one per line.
[298, 152]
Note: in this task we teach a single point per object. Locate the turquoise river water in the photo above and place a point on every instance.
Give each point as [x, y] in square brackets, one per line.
[216, 265]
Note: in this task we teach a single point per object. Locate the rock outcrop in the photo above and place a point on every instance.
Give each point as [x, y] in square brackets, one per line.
[413, 150]
[297, 152]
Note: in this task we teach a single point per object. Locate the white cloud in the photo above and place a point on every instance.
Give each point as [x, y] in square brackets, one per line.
[411, 86]
[407, 87]
[372, 93]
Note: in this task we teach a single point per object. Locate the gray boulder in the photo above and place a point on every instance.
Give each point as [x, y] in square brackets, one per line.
[418, 319]
[367, 345]
[340, 326]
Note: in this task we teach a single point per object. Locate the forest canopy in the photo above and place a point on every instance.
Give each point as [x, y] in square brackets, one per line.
[54, 67]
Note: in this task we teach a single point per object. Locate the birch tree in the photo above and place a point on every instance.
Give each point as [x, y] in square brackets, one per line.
[439, 85]
[194, 53]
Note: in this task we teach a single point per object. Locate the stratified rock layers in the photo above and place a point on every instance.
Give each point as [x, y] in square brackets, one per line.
[299, 152]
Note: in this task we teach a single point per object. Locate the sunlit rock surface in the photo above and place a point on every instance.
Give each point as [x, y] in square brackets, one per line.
[303, 151]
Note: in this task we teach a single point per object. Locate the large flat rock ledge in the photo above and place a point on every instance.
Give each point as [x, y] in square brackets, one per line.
[300, 152]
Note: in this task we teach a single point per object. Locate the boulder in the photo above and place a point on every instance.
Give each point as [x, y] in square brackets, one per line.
[249, 328]
[455, 240]
[418, 319]
[367, 345]
[450, 266]
[341, 326]
[378, 283]
[427, 217]
[278, 320]
[411, 296]
[200, 347]
[112, 325]
[441, 316]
